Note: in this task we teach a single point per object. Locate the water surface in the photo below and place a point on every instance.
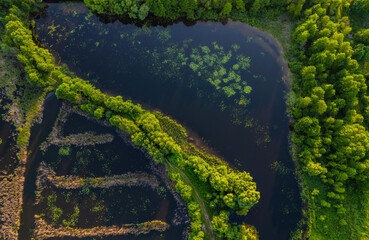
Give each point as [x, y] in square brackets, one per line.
[97, 206]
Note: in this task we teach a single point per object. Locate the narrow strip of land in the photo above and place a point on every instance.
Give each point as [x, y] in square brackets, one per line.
[44, 230]
[129, 180]
[48, 176]
[199, 200]
[80, 139]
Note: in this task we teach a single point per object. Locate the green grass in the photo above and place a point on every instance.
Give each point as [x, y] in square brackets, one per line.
[280, 26]
[172, 128]
[324, 222]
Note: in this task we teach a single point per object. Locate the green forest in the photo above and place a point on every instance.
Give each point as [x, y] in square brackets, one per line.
[328, 56]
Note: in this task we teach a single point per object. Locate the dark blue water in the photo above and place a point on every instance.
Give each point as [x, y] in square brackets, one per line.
[8, 159]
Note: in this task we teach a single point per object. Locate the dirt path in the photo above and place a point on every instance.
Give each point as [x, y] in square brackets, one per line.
[199, 200]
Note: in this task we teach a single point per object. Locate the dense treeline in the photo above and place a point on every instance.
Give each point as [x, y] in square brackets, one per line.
[38, 61]
[332, 104]
[30, 97]
[359, 9]
[194, 210]
[174, 9]
[235, 190]
[25, 5]
[359, 18]
[229, 190]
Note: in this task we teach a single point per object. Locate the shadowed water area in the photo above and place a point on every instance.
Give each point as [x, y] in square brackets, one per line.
[7, 150]
[175, 69]
[111, 206]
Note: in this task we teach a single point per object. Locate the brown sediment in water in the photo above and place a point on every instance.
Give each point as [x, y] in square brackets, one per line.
[163, 210]
[80, 139]
[44, 230]
[181, 214]
[11, 198]
[48, 176]
[12, 186]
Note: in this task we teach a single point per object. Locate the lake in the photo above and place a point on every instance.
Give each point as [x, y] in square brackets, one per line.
[226, 83]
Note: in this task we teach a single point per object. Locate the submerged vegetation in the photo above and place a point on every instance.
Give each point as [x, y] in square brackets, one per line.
[225, 70]
[213, 64]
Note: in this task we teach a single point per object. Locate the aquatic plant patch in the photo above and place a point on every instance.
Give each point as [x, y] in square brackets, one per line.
[227, 70]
